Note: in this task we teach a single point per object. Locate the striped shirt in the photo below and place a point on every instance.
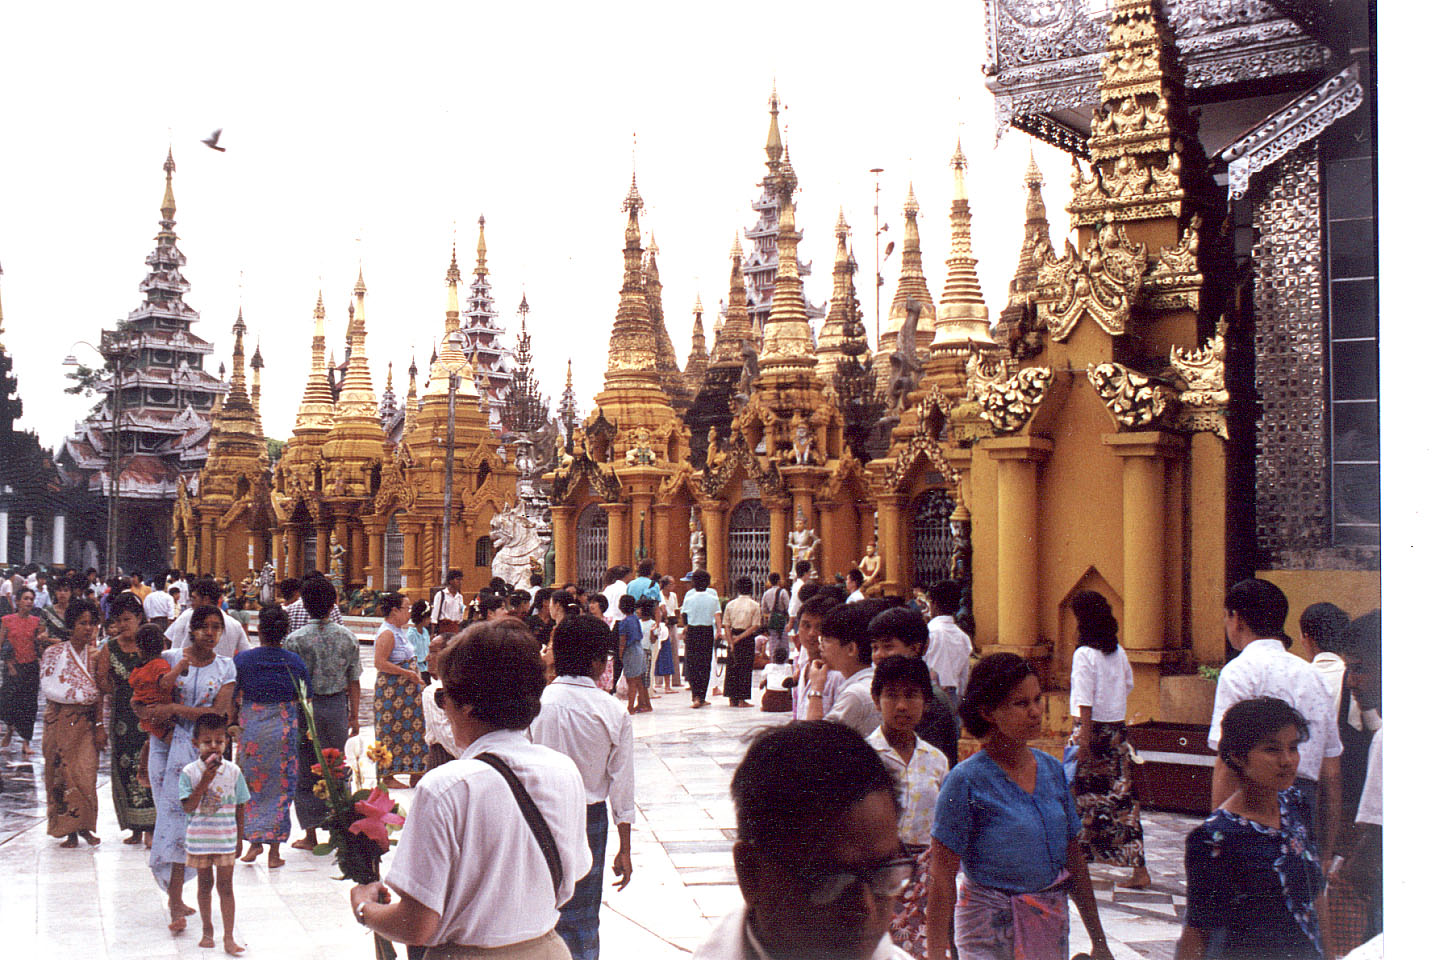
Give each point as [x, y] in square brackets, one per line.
[212, 828]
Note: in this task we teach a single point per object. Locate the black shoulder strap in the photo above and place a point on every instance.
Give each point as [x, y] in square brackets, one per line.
[532, 814]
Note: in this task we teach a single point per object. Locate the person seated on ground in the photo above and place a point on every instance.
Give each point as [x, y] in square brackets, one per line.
[900, 632]
[775, 696]
[583, 722]
[845, 649]
[818, 854]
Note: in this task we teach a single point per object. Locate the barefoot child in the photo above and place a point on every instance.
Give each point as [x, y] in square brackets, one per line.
[213, 793]
[632, 654]
[150, 686]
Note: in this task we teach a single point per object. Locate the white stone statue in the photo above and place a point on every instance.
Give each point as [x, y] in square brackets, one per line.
[518, 546]
[697, 541]
[804, 543]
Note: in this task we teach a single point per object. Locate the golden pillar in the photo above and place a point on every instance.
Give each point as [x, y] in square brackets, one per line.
[779, 527]
[375, 556]
[1146, 558]
[663, 553]
[277, 552]
[359, 552]
[322, 548]
[1017, 536]
[889, 506]
[295, 556]
[712, 514]
[410, 559]
[207, 547]
[255, 549]
[616, 547]
[562, 525]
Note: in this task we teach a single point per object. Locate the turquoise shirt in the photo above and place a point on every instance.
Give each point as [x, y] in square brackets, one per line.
[1007, 839]
[700, 607]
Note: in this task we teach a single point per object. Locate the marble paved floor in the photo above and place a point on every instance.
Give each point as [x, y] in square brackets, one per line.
[102, 903]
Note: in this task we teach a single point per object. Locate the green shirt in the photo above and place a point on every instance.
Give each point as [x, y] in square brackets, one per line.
[331, 654]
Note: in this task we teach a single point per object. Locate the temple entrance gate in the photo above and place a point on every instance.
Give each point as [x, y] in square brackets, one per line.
[934, 545]
[749, 543]
[592, 547]
[394, 554]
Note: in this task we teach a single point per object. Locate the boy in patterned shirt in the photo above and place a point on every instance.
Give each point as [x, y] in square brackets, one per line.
[213, 793]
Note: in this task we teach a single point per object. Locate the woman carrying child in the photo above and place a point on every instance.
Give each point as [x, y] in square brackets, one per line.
[134, 804]
[268, 748]
[74, 735]
[1251, 868]
[204, 683]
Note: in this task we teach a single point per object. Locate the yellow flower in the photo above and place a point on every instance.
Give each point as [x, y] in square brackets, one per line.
[379, 754]
[321, 790]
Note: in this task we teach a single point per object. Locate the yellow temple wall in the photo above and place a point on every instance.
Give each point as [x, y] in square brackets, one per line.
[1354, 591]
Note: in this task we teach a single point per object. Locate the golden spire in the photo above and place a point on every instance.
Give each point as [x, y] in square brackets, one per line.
[357, 393]
[911, 287]
[842, 300]
[238, 399]
[167, 204]
[734, 331]
[317, 407]
[773, 144]
[451, 359]
[963, 317]
[632, 337]
[787, 337]
[1037, 228]
[699, 359]
[257, 363]
[480, 268]
[412, 398]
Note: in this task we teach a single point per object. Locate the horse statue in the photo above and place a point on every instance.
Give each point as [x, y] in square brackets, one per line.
[518, 546]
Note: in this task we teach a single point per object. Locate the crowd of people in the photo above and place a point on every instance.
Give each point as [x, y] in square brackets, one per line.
[862, 832]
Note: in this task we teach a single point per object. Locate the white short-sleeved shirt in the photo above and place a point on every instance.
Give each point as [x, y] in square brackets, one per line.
[854, 706]
[1102, 682]
[437, 723]
[612, 595]
[948, 652]
[232, 640]
[795, 604]
[593, 729]
[1266, 669]
[1371, 809]
[467, 853]
[159, 604]
[918, 783]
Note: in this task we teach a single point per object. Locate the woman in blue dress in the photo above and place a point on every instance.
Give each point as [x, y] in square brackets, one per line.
[1252, 875]
[1006, 815]
[204, 683]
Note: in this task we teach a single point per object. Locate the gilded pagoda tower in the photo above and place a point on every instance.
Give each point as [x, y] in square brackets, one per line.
[631, 445]
[844, 305]
[699, 360]
[481, 332]
[671, 380]
[734, 363]
[164, 406]
[224, 529]
[912, 295]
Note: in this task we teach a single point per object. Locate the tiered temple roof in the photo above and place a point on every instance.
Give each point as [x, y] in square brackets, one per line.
[481, 332]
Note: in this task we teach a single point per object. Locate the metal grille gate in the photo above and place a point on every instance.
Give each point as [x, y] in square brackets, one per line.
[749, 544]
[592, 547]
[934, 545]
[394, 554]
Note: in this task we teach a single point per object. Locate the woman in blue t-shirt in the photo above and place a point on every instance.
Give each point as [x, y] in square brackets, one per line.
[1006, 816]
[268, 748]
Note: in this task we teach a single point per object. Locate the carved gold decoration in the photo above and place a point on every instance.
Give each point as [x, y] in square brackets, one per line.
[920, 449]
[1174, 279]
[1135, 189]
[1137, 401]
[849, 470]
[1201, 377]
[1009, 405]
[1104, 283]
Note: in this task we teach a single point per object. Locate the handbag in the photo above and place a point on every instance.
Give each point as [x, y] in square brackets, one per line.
[532, 815]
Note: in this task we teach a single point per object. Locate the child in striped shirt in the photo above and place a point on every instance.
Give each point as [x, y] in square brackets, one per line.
[213, 793]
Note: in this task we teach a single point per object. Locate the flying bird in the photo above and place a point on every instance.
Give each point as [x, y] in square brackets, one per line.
[213, 142]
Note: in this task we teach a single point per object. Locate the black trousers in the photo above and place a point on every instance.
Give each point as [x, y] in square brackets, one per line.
[699, 644]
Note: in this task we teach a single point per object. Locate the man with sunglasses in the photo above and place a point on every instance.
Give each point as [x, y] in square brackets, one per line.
[818, 856]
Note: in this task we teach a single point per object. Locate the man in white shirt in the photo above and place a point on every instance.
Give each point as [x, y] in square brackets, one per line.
[1322, 630]
[807, 641]
[593, 729]
[948, 651]
[803, 575]
[845, 649]
[449, 604]
[233, 638]
[160, 608]
[853, 581]
[816, 819]
[1255, 612]
[618, 577]
[469, 870]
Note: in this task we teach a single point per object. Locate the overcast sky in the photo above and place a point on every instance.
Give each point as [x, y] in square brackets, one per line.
[356, 133]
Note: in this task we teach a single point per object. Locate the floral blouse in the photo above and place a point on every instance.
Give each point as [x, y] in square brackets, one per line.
[1255, 883]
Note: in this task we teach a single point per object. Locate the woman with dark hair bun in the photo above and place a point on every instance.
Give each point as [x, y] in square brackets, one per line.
[473, 872]
[1100, 685]
[1006, 816]
[399, 715]
[1252, 873]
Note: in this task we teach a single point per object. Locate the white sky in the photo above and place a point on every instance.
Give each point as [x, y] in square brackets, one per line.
[346, 121]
